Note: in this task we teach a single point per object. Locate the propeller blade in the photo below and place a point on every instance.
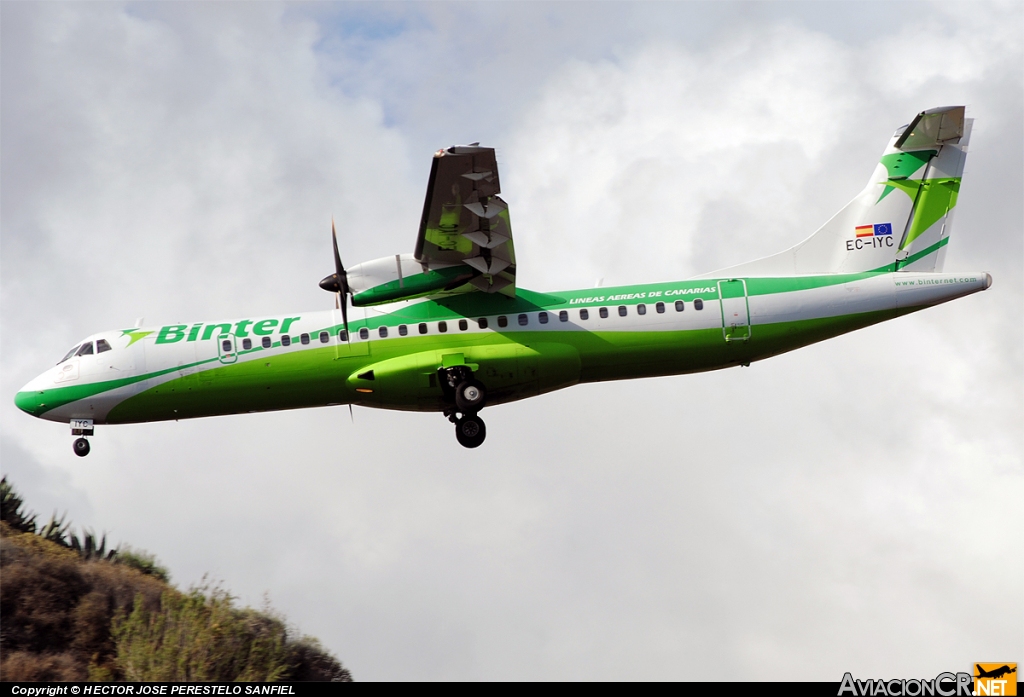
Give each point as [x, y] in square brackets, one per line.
[350, 414]
[338, 267]
[337, 282]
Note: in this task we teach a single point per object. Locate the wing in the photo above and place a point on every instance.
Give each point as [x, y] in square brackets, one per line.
[465, 223]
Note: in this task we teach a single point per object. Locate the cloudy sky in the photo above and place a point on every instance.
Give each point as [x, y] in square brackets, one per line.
[848, 506]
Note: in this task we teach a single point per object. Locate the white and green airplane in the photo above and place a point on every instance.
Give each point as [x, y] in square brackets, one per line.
[446, 329]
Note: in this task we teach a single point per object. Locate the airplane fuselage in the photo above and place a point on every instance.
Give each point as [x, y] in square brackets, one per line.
[518, 347]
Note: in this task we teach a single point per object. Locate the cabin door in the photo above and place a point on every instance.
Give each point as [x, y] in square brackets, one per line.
[735, 310]
[227, 350]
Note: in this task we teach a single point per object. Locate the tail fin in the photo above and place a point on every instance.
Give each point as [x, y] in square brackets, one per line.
[903, 217]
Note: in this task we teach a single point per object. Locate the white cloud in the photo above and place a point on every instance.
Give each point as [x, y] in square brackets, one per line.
[838, 508]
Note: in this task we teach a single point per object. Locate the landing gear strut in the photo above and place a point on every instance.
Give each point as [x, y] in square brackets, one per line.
[470, 396]
[81, 427]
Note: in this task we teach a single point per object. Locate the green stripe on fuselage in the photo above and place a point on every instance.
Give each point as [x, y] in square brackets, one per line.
[467, 306]
[315, 377]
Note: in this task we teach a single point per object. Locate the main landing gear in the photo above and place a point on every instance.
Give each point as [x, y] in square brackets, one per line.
[469, 396]
[82, 428]
[470, 430]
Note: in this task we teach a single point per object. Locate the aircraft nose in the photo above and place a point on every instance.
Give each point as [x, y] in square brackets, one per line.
[30, 399]
[28, 402]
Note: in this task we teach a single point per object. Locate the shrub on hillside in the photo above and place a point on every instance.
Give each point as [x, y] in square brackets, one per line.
[142, 561]
[202, 636]
[73, 610]
[57, 609]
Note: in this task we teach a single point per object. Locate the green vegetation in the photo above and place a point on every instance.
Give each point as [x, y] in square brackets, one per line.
[73, 610]
[142, 561]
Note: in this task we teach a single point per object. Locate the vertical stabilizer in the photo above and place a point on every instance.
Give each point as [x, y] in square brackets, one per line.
[903, 217]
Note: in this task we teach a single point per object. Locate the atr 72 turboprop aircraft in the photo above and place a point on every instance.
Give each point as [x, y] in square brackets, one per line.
[446, 328]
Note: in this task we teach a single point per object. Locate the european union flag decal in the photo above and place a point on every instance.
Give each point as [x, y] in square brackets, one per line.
[883, 229]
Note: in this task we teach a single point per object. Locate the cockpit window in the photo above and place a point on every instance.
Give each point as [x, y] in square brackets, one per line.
[71, 353]
[86, 349]
[102, 345]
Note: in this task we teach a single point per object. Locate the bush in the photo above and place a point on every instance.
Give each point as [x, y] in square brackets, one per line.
[198, 636]
[142, 561]
[72, 610]
[57, 609]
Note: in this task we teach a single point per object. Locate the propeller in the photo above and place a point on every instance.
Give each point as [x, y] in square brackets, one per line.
[337, 282]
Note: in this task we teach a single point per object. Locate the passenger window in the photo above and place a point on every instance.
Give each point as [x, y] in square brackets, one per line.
[304, 338]
[482, 323]
[324, 337]
[641, 309]
[543, 317]
[383, 332]
[660, 307]
[563, 316]
[342, 336]
[622, 310]
[698, 304]
[680, 305]
[442, 327]
[226, 345]
[423, 328]
[286, 340]
[463, 325]
[86, 349]
[71, 353]
[603, 312]
[584, 314]
[364, 333]
[266, 342]
[523, 320]
[403, 330]
[246, 344]
[102, 345]
[502, 321]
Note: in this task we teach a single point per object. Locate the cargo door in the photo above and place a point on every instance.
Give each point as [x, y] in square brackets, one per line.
[732, 295]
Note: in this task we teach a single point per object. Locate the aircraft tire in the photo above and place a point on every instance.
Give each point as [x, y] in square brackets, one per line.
[470, 396]
[470, 431]
[81, 447]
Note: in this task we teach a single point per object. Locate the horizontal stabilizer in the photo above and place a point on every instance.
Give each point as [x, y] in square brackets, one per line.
[933, 128]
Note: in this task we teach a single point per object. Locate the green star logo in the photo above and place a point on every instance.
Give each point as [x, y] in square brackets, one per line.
[134, 335]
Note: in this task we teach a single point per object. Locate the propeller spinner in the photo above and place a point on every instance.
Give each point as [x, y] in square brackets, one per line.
[337, 282]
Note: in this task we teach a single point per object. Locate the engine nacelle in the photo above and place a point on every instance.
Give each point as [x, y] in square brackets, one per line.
[402, 277]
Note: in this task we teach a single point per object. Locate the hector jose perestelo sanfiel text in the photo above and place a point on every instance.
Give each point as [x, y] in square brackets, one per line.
[152, 689]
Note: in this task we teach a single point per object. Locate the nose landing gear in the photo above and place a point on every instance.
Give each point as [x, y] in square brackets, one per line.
[81, 427]
[81, 447]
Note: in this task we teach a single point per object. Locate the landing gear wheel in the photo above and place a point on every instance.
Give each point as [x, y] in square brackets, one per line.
[470, 431]
[81, 447]
[470, 396]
